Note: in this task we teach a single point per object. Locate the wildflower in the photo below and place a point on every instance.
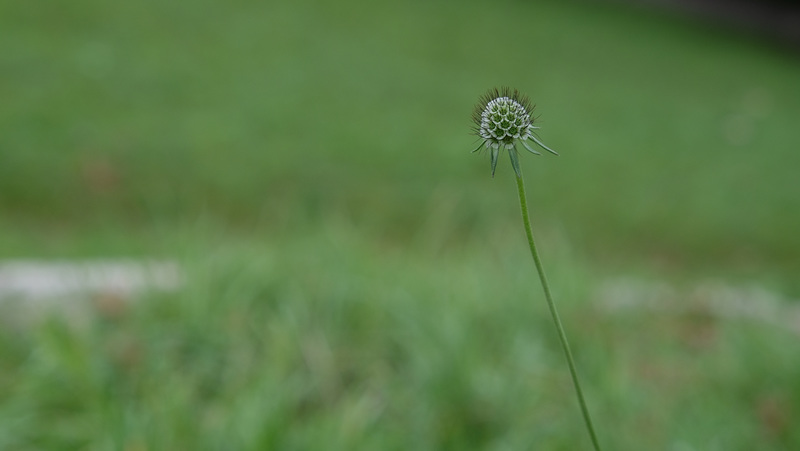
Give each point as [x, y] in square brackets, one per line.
[503, 118]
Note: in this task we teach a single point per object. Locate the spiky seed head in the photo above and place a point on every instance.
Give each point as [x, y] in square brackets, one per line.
[502, 117]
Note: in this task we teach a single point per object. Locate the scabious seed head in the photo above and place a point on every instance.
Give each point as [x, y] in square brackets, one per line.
[502, 117]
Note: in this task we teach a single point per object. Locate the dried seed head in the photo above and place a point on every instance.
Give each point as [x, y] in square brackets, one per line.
[503, 117]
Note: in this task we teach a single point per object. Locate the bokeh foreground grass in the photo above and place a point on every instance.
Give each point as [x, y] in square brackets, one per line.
[376, 348]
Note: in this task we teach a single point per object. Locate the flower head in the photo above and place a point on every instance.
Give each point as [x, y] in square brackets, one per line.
[502, 118]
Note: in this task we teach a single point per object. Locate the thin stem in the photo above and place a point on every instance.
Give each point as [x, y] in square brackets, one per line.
[561, 334]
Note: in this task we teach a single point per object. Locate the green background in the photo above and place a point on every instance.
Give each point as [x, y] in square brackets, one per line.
[354, 278]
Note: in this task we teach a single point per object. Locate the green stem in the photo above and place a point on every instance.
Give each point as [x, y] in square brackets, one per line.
[561, 334]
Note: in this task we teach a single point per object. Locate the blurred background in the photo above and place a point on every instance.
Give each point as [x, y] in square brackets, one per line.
[351, 276]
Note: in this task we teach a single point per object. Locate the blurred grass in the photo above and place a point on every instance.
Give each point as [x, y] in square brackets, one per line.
[334, 342]
[356, 278]
[677, 142]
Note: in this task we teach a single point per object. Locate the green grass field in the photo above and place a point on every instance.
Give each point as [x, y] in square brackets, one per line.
[354, 278]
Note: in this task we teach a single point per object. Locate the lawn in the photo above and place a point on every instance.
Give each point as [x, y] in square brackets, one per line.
[353, 276]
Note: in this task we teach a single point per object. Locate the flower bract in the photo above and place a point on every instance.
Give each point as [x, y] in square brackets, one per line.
[503, 118]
